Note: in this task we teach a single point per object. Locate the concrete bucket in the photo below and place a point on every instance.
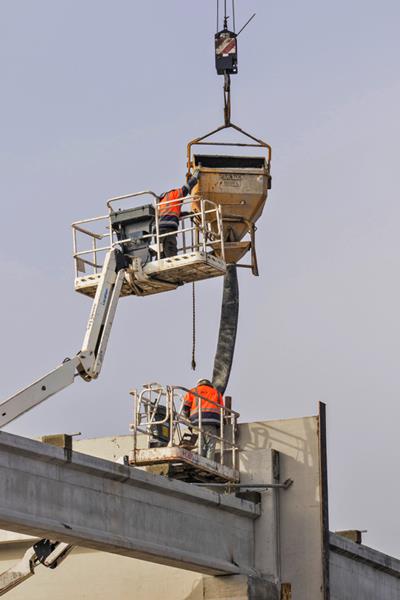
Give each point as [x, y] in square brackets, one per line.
[239, 184]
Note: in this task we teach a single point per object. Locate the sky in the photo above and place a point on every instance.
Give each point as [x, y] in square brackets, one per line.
[100, 99]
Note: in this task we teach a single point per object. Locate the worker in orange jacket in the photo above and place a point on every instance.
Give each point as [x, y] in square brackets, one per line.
[210, 404]
[169, 211]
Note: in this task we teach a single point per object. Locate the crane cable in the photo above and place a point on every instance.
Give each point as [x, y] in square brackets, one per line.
[193, 327]
[233, 14]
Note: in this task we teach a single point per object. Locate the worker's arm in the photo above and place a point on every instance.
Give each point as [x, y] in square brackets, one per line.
[87, 363]
[187, 405]
[187, 188]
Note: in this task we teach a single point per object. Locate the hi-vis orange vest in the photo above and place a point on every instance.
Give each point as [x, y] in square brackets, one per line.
[211, 403]
[170, 206]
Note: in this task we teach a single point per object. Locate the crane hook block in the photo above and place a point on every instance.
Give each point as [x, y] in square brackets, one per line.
[226, 52]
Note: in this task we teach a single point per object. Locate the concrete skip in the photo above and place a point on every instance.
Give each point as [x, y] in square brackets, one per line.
[98, 504]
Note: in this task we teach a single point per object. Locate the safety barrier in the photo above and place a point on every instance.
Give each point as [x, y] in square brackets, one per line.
[159, 415]
[93, 237]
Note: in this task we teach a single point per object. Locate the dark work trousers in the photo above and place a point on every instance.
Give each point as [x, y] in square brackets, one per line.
[170, 242]
[208, 441]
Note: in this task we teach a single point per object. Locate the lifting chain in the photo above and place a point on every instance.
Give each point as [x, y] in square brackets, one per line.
[193, 326]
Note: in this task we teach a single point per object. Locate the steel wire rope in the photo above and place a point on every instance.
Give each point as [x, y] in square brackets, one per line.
[193, 327]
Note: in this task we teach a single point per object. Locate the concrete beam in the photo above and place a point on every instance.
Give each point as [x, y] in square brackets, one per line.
[95, 503]
[364, 554]
[357, 571]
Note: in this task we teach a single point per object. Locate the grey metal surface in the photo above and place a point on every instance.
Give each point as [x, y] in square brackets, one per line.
[361, 573]
[186, 268]
[103, 505]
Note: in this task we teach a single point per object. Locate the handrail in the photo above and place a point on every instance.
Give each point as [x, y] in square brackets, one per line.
[195, 232]
[208, 207]
[146, 406]
[132, 195]
[102, 217]
[185, 200]
[183, 389]
[97, 236]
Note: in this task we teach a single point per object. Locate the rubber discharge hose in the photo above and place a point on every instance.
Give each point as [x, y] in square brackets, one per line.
[227, 330]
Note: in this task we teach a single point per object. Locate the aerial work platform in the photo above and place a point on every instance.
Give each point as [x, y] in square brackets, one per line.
[166, 442]
[136, 232]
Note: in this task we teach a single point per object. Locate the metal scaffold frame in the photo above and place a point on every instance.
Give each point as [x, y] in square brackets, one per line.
[200, 247]
[162, 433]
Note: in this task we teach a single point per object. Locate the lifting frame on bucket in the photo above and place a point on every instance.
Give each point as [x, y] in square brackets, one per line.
[161, 436]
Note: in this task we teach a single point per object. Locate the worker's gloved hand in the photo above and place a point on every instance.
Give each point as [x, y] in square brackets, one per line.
[186, 412]
[193, 180]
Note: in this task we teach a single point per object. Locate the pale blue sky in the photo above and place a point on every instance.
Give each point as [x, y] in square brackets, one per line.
[100, 98]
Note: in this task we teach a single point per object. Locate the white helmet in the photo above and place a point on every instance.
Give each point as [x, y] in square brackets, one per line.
[204, 382]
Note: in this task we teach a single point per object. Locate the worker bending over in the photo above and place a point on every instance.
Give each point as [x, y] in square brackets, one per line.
[211, 402]
[169, 211]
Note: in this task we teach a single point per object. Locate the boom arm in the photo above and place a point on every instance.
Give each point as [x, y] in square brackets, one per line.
[48, 553]
[87, 363]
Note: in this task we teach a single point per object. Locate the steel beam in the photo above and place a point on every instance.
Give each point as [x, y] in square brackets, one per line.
[87, 501]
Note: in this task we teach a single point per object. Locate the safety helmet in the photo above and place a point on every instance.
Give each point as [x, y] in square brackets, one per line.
[204, 382]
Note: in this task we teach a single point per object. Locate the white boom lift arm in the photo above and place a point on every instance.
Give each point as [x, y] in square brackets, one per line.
[87, 363]
[45, 552]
